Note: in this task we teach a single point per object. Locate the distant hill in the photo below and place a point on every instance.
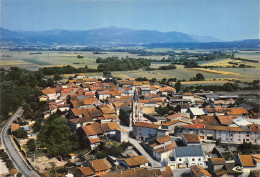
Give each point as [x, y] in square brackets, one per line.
[101, 36]
[243, 44]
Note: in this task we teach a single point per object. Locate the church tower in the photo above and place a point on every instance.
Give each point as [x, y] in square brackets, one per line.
[137, 114]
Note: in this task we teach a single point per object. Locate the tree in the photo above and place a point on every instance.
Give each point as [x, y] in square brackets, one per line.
[178, 86]
[57, 77]
[20, 133]
[107, 73]
[31, 145]
[80, 56]
[200, 77]
[57, 137]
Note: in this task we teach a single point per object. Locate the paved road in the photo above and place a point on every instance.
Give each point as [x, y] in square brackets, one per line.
[153, 162]
[12, 150]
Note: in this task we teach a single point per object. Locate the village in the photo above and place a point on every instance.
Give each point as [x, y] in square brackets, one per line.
[196, 135]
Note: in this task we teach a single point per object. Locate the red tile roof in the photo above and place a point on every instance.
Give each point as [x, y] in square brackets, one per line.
[193, 126]
[224, 128]
[218, 161]
[100, 165]
[147, 125]
[237, 111]
[163, 139]
[247, 160]
[191, 138]
[136, 161]
[165, 148]
[86, 171]
[225, 120]
[199, 171]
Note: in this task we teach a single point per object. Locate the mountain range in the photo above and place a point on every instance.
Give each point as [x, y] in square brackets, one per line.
[100, 36]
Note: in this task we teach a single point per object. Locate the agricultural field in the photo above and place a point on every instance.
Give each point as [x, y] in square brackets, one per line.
[253, 55]
[58, 58]
[33, 60]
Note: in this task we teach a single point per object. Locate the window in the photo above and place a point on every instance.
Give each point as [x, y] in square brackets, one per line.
[226, 138]
[239, 139]
[199, 159]
[180, 160]
[193, 159]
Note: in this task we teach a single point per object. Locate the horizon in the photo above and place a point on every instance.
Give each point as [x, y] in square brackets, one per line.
[218, 40]
[224, 20]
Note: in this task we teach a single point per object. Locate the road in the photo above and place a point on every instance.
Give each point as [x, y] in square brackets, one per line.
[153, 162]
[12, 149]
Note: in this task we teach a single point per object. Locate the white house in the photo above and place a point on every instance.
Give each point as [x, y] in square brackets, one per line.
[187, 156]
[143, 131]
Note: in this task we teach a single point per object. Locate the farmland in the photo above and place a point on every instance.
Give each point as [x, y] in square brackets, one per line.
[217, 75]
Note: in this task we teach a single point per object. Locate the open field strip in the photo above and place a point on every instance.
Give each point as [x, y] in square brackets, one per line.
[215, 71]
[222, 63]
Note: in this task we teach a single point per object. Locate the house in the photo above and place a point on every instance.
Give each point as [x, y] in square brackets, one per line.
[167, 90]
[187, 156]
[161, 149]
[196, 112]
[102, 95]
[215, 164]
[228, 169]
[183, 108]
[96, 131]
[122, 135]
[247, 162]
[236, 135]
[190, 139]
[79, 122]
[145, 91]
[134, 162]
[142, 172]
[170, 126]
[238, 112]
[198, 171]
[14, 126]
[100, 166]
[206, 120]
[143, 131]
[43, 98]
[177, 116]
[51, 93]
[86, 171]
[188, 96]
[225, 120]
[163, 152]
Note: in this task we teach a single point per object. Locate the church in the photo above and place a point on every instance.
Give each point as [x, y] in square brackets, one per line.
[130, 115]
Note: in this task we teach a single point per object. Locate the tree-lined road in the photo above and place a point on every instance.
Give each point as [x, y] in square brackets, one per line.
[12, 150]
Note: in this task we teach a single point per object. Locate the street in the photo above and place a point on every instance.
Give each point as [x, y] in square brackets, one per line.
[12, 150]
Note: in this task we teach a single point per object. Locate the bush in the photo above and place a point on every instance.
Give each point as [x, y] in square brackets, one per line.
[20, 133]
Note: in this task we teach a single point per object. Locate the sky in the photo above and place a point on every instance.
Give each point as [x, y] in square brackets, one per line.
[223, 19]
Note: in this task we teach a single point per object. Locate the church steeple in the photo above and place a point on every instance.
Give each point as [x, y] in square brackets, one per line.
[135, 100]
